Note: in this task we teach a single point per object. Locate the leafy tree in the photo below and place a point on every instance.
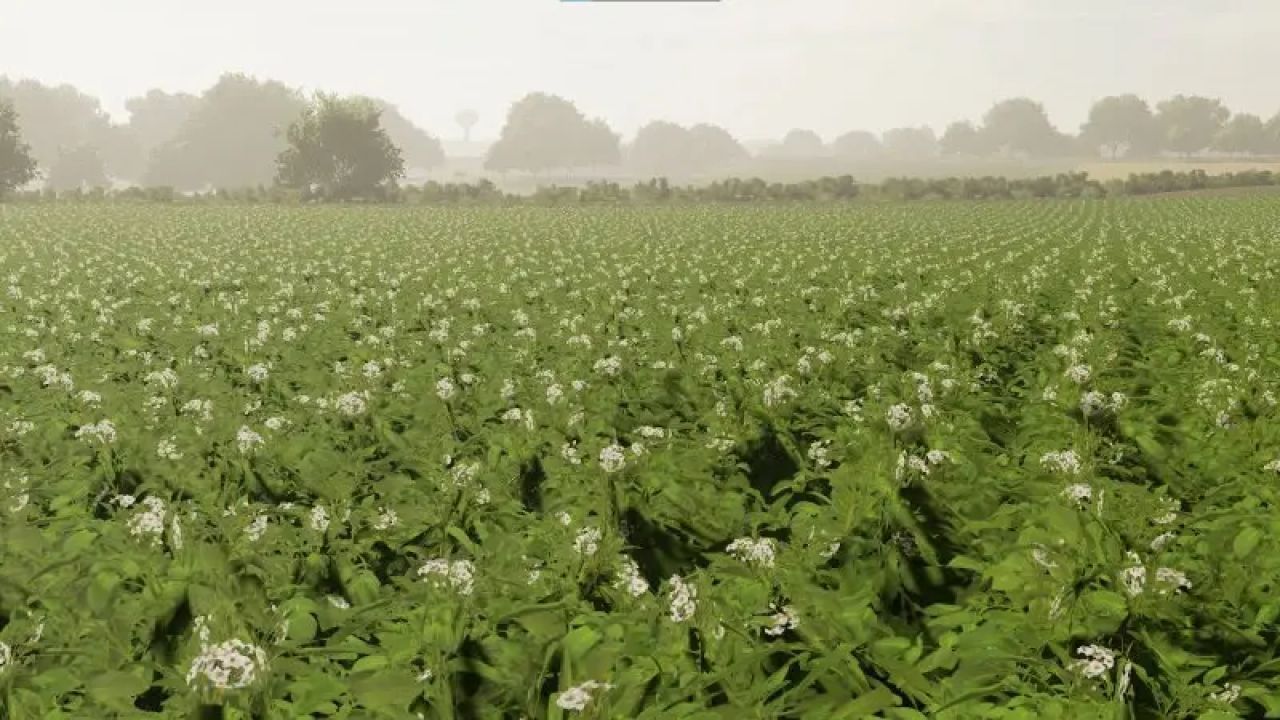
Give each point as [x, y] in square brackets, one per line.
[801, 144]
[1273, 134]
[544, 131]
[1020, 125]
[1121, 124]
[338, 151]
[908, 143]
[420, 149]
[17, 166]
[857, 145]
[1189, 123]
[53, 118]
[77, 169]
[711, 147]
[961, 138]
[1244, 133]
[467, 119]
[661, 148]
[231, 139]
[154, 119]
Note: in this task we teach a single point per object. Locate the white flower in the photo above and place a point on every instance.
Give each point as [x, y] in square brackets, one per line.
[1273, 466]
[228, 665]
[351, 404]
[1078, 374]
[257, 373]
[445, 388]
[1134, 577]
[387, 518]
[1161, 540]
[338, 602]
[6, 657]
[898, 416]
[578, 697]
[148, 522]
[247, 440]
[784, 619]
[587, 541]
[778, 391]
[608, 366]
[630, 578]
[168, 450]
[257, 528]
[1079, 493]
[1170, 577]
[1230, 693]
[820, 454]
[1097, 660]
[102, 431]
[684, 599]
[319, 518]
[570, 454]
[612, 458]
[1062, 461]
[459, 574]
[755, 552]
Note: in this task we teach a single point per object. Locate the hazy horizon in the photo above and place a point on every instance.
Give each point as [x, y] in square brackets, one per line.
[759, 68]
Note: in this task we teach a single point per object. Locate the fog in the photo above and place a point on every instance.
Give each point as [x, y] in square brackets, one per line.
[758, 68]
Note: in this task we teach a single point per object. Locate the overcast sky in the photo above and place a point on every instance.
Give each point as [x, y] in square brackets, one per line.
[757, 67]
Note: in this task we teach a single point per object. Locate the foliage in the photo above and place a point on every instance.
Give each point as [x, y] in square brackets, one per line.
[77, 168]
[17, 166]
[338, 150]
[943, 460]
[545, 132]
[1121, 124]
[231, 139]
[1190, 122]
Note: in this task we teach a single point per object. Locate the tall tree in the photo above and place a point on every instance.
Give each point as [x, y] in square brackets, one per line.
[77, 169]
[1243, 133]
[1020, 125]
[661, 148]
[17, 166]
[961, 138]
[338, 150]
[801, 143]
[1189, 123]
[53, 118]
[420, 149]
[544, 131]
[858, 145]
[1121, 124]
[1273, 135]
[910, 143]
[232, 138]
[711, 147]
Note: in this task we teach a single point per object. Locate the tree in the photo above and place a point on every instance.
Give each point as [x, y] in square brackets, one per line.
[857, 145]
[1244, 133]
[908, 143]
[17, 166]
[338, 150]
[1189, 123]
[231, 139]
[961, 138]
[711, 147]
[154, 119]
[801, 144]
[53, 118]
[1121, 124]
[1020, 125]
[467, 119]
[1273, 134]
[661, 148]
[544, 131]
[420, 149]
[77, 169]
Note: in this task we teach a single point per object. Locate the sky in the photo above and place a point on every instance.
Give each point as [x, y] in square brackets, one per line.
[756, 67]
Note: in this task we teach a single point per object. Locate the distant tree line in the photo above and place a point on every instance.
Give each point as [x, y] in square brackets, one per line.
[658, 191]
[237, 134]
